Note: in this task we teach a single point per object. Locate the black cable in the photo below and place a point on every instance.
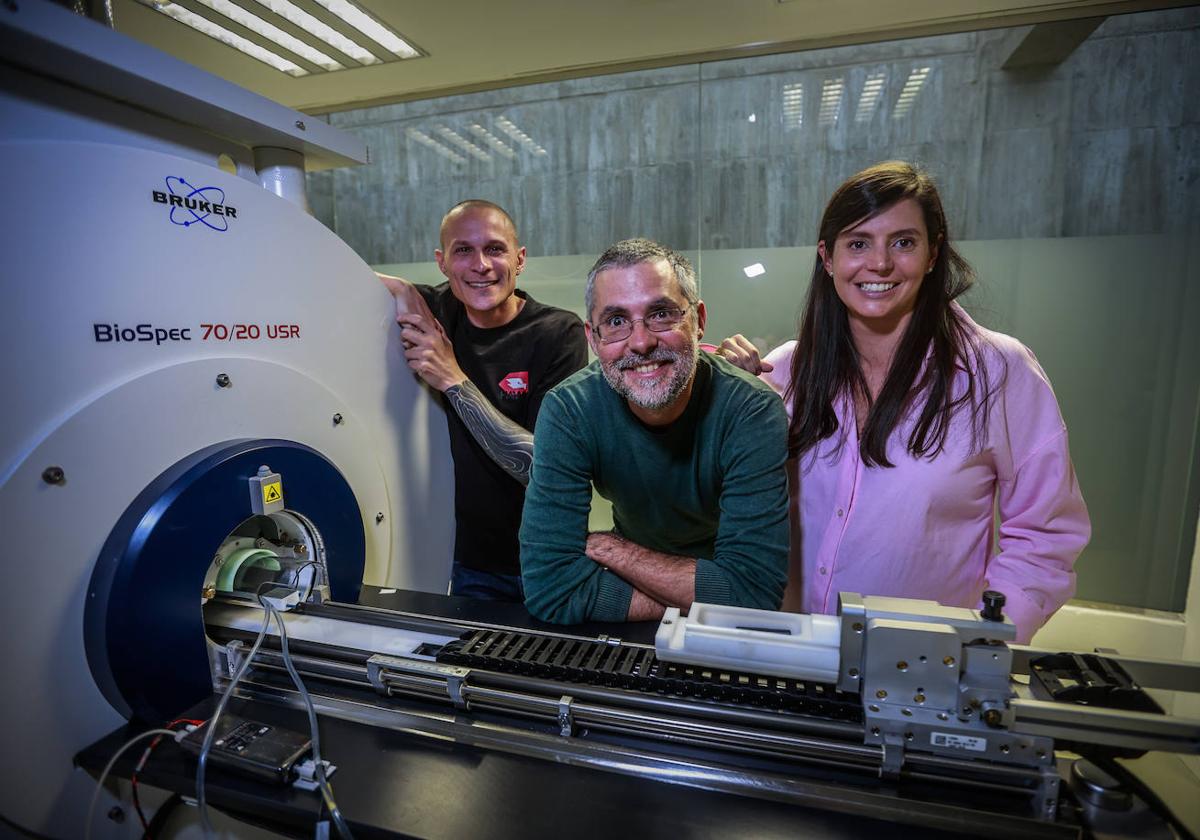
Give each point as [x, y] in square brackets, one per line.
[1153, 801]
[312, 583]
[159, 821]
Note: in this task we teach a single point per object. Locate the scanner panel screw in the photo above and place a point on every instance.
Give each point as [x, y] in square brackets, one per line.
[54, 475]
[223, 380]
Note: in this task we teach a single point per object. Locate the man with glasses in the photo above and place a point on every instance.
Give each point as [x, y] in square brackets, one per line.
[689, 449]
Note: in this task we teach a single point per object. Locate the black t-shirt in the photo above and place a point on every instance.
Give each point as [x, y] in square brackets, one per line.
[514, 366]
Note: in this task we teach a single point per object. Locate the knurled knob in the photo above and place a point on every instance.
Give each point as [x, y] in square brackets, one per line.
[993, 604]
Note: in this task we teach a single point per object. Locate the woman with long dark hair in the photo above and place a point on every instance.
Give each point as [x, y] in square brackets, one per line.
[929, 457]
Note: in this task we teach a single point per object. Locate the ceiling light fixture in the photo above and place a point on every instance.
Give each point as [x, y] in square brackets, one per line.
[295, 15]
[272, 33]
[309, 42]
[370, 27]
[755, 270]
[220, 33]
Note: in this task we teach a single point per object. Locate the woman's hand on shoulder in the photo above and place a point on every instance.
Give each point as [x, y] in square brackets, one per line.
[739, 351]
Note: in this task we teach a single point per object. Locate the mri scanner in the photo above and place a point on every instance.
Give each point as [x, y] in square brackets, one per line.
[207, 396]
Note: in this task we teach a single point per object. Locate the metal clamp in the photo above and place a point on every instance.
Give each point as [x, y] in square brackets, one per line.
[375, 666]
[566, 719]
[892, 757]
[233, 657]
[454, 687]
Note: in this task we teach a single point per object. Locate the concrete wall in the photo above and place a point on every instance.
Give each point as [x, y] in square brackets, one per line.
[1106, 142]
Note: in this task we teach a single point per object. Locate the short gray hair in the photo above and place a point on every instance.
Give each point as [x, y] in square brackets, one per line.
[629, 252]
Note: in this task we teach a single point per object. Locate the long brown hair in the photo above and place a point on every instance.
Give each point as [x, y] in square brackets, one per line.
[826, 364]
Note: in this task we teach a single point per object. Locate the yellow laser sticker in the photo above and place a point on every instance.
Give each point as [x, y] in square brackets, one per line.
[272, 492]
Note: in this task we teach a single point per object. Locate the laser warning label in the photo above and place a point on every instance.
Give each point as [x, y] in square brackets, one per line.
[272, 492]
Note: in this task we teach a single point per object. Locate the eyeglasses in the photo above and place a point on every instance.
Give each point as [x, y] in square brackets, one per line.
[616, 328]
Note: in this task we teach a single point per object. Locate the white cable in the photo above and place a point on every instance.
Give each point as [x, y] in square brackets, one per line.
[335, 814]
[206, 747]
[108, 768]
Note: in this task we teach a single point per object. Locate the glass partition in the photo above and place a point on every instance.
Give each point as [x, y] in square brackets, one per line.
[1072, 185]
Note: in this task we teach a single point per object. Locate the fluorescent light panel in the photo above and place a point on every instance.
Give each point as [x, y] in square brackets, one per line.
[236, 10]
[370, 27]
[272, 33]
[220, 33]
[319, 29]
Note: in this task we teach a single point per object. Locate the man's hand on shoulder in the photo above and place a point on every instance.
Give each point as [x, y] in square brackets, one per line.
[428, 350]
[740, 351]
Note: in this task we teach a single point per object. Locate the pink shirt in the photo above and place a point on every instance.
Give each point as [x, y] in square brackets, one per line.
[924, 528]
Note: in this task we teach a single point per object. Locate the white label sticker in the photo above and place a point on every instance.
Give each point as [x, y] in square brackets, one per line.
[958, 742]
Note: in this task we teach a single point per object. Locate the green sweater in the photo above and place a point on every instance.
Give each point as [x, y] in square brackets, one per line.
[710, 486]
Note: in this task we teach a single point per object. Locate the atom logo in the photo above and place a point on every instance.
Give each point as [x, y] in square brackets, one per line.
[195, 205]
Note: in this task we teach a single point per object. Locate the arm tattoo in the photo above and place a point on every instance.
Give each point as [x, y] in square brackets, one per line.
[505, 442]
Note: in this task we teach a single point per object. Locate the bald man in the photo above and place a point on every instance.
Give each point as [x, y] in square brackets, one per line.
[493, 352]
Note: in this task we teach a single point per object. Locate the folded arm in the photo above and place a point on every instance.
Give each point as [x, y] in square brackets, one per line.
[562, 583]
[659, 580]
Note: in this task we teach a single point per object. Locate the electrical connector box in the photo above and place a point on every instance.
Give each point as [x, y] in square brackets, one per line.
[282, 598]
[252, 748]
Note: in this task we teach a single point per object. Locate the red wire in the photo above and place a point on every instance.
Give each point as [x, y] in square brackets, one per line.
[137, 805]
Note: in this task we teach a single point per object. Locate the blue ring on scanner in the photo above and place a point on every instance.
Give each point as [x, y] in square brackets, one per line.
[143, 627]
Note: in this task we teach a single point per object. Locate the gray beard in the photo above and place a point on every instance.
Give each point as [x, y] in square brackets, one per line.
[659, 397]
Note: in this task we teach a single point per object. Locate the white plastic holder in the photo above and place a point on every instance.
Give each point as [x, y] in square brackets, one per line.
[306, 774]
[792, 645]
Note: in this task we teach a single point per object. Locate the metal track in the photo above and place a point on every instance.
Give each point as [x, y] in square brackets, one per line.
[636, 668]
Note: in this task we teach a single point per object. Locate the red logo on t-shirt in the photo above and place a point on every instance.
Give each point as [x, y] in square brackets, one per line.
[515, 383]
